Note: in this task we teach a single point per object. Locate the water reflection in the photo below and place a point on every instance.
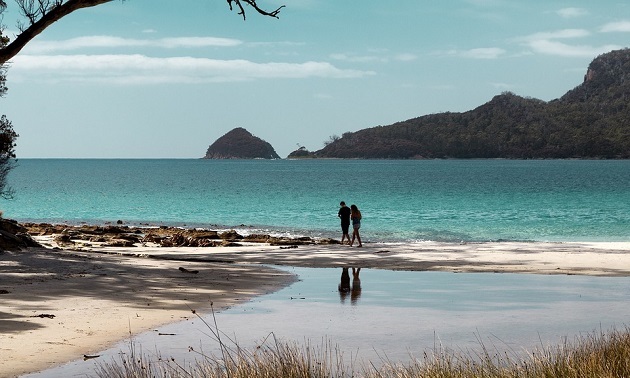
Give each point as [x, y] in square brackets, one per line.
[346, 289]
[510, 313]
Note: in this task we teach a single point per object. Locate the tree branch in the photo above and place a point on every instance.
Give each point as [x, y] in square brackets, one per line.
[43, 13]
[54, 14]
[253, 4]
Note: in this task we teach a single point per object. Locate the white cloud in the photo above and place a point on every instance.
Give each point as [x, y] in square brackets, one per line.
[571, 12]
[477, 53]
[558, 34]
[357, 58]
[485, 3]
[377, 55]
[446, 52]
[547, 43]
[619, 26]
[275, 44]
[503, 86]
[103, 41]
[550, 47]
[484, 53]
[406, 57]
[134, 69]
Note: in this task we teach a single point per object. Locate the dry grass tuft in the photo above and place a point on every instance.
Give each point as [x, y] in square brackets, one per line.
[602, 355]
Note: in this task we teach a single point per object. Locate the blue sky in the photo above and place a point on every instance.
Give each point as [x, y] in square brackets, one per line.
[166, 78]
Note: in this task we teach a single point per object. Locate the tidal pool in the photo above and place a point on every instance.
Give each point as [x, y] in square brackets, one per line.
[379, 314]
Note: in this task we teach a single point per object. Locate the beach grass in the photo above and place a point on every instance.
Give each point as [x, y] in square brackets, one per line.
[593, 355]
[600, 354]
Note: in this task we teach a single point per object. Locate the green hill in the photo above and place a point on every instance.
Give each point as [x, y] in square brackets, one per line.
[590, 121]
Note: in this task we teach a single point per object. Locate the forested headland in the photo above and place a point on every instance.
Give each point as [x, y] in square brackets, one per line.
[591, 121]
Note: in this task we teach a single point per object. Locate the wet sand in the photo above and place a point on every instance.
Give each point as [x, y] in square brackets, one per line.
[57, 306]
[61, 306]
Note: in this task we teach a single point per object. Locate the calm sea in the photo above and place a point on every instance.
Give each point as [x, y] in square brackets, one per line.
[401, 201]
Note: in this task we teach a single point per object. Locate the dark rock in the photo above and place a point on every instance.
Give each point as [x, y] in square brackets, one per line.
[227, 243]
[120, 243]
[301, 153]
[14, 236]
[184, 270]
[10, 242]
[240, 144]
[28, 240]
[203, 234]
[63, 239]
[291, 241]
[165, 236]
[166, 242]
[116, 230]
[8, 239]
[230, 235]
[327, 241]
[178, 239]
[134, 238]
[257, 238]
[11, 226]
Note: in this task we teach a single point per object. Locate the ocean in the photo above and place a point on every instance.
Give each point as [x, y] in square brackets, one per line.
[401, 200]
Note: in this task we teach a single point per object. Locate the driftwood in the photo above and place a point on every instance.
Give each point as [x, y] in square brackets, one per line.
[184, 270]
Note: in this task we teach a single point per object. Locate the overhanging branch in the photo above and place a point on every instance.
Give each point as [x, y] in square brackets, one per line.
[54, 14]
[253, 4]
[48, 16]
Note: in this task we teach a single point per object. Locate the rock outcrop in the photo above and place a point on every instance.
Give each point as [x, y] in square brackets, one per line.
[90, 237]
[14, 236]
[240, 144]
[301, 153]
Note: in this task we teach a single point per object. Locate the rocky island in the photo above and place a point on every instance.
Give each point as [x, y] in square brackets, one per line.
[240, 144]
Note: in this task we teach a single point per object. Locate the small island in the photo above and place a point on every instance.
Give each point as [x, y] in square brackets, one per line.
[240, 144]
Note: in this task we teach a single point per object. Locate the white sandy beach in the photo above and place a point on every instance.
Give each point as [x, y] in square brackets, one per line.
[58, 306]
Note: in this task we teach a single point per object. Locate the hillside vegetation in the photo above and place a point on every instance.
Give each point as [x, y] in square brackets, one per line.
[590, 121]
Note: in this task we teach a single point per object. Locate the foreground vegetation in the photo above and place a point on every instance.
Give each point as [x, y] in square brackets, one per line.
[604, 354]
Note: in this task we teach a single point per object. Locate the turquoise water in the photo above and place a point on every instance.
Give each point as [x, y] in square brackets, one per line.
[401, 201]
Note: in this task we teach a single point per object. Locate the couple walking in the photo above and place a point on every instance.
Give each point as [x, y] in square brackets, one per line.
[346, 214]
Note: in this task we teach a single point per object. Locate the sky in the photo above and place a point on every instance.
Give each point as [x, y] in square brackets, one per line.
[166, 78]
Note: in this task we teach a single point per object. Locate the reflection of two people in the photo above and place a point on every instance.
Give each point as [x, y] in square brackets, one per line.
[346, 289]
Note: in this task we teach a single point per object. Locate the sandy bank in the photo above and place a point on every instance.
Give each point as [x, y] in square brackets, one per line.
[58, 306]
[597, 259]
[99, 295]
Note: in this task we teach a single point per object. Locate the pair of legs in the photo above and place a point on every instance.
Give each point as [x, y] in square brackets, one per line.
[355, 234]
[344, 230]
